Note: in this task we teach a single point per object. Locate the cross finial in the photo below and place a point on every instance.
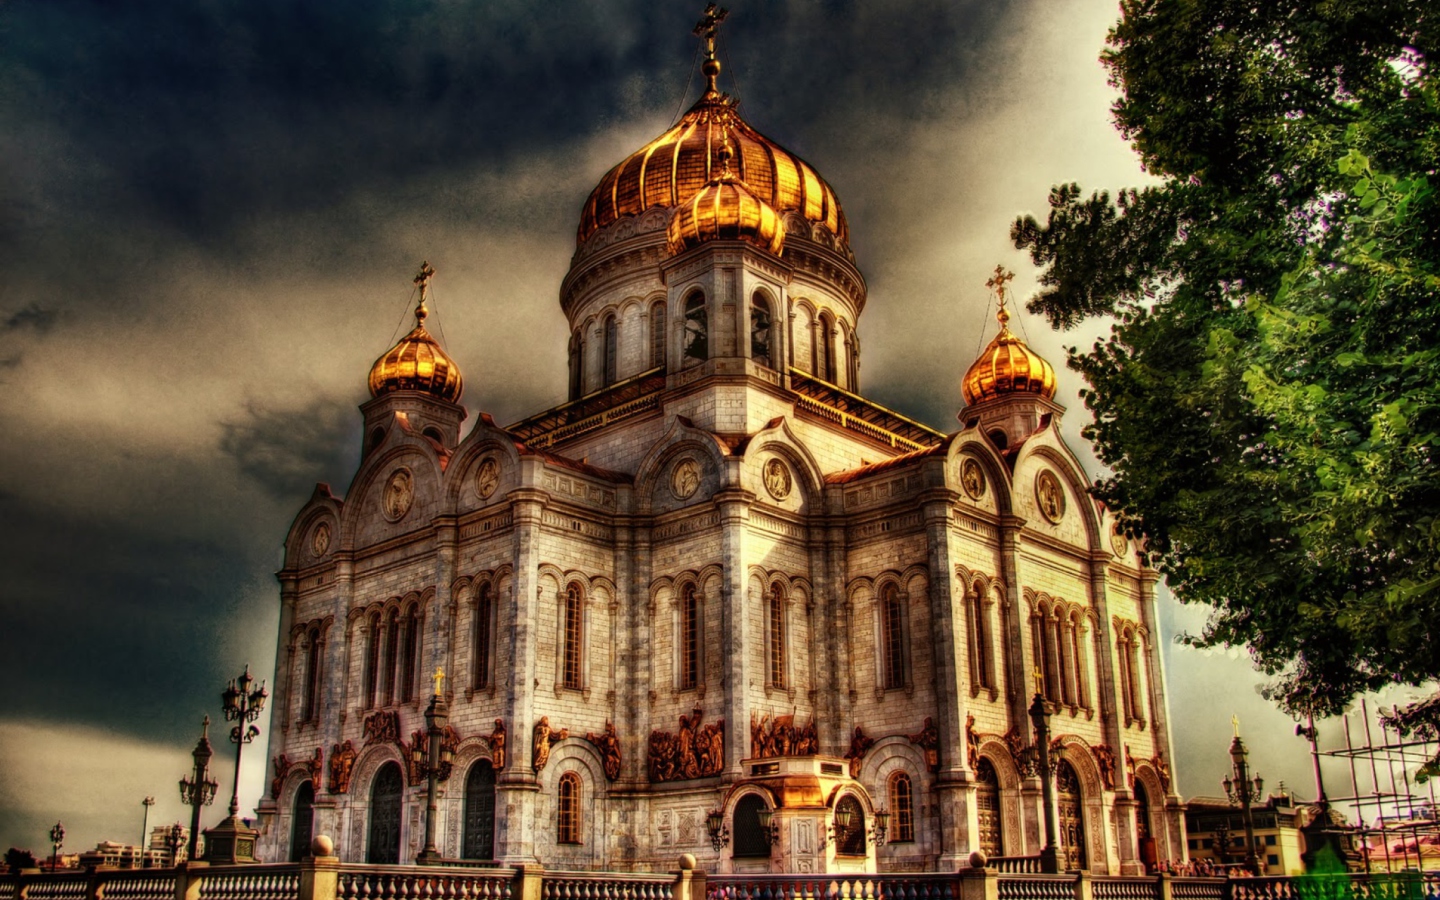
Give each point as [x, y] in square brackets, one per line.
[706, 28]
[423, 280]
[997, 283]
[439, 678]
[1235, 723]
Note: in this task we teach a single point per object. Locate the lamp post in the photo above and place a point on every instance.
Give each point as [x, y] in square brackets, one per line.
[145, 823]
[719, 831]
[198, 789]
[232, 841]
[57, 840]
[1040, 712]
[1241, 789]
[434, 761]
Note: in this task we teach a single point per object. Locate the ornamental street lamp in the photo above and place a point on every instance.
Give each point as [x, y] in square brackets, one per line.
[198, 789]
[1040, 712]
[145, 824]
[719, 831]
[1241, 789]
[434, 761]
[880, 827]
[57, 840]
[232, 841]
[839, 826]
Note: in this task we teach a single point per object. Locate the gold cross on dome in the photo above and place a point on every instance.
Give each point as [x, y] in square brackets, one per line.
[709, 24]
[426, 273]
[439, 678]
[1235, 723]
[998, 282]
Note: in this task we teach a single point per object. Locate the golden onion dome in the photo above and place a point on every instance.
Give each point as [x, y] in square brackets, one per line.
[725, 209]
[1006, 366]
[683, 161]
[417, 362]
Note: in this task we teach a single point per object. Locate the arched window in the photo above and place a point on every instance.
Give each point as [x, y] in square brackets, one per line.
[1047, 637]
[902, 809]
[689, 637]
[574, 616]
[484, 618]
[1065, 657]
[987, 808]
[302, 821]
[577, 365]
[383, 845]
[982, 664]
[852, 360]
[310, 711]
[850, 840]
[372, 661]
[1080, 659]
[480, 811]
[1071, 808]
[567, 809]
[775, 635]
[892, 637]
[751, 842]
[657, 335]
[392, 654]
[824, 348]
[1127, 646]
[612, 351]
[697, 330]
[410, 655]
[761, 331]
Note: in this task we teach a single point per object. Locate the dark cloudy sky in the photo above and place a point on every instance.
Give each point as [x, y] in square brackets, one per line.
[210, 213]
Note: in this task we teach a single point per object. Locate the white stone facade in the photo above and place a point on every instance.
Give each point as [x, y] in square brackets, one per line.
[731, 535]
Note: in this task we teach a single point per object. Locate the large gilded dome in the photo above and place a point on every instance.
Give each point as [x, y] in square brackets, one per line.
[417, 362]
[683, 161]
[1006, 366]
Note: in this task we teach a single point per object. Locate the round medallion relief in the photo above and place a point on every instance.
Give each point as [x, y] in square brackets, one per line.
[1118, 542]
[972, 478]
[320, 539]
[1050, 496]
[487, 477]
[777, 478]
[399, 494]
[685, 479]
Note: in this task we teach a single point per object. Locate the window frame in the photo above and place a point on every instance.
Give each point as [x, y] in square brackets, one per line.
[568, 793]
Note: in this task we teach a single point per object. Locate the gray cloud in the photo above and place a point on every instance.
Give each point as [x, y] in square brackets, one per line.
[288, 451]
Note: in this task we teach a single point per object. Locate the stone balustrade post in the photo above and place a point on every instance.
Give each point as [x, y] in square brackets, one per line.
[529, 881]
[189, 877]
[977, 882]
[1165, 886]
[23, 881]
[689, 881]
[1084, 886]
[320, 872]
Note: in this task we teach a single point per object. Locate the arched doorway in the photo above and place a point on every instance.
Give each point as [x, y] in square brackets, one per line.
[386, 792]
[849, 839]
[987, 809]
[1072, 816]
[302, 821]
[1144, 836]
[750, 840]
[480, 811]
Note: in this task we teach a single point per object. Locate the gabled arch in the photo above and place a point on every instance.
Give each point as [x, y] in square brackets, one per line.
[1051, 448]
[323, 506]
[777, 438]
[651, 494]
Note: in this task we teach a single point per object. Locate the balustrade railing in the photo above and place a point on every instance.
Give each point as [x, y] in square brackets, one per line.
[832, 886]
[602, 886]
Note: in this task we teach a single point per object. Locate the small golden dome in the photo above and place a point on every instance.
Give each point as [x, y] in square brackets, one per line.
[417, 362]
[1006, 366]
[725, 210]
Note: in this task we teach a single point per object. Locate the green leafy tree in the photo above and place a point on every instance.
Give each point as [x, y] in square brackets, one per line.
[1268, 398]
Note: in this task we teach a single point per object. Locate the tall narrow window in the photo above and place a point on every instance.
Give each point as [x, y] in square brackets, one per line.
[409, 655]
[697, 330]
[612, 348]
[574, 615]
[567, 809]
[902, 808]
[852, 360]
[577, 366]
[372, 662]
[484, 613]
[392, 654]
[1082, 663]
[1065, 658]
[689, 638]
[760, 331]
[657, 335]
[777, 635]
[311, 710]
[824, 350]
[987, 806]
[982, 666]
[892, 636]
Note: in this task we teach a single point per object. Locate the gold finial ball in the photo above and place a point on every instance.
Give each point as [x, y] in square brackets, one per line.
[711, 68]
[322, 845]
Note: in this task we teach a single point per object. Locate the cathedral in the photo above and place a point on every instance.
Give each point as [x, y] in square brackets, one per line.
[717, 602]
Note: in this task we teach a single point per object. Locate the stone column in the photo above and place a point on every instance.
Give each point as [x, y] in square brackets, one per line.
[734, 520]
[837, 616]
[946, 617]
[444, 610]
[338, 654]
[515, 792]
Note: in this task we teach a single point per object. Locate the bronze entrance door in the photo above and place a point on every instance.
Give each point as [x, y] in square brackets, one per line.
[987, 806]
[1072, 817]
[302, 821]
[480, 811]
[385, 796]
